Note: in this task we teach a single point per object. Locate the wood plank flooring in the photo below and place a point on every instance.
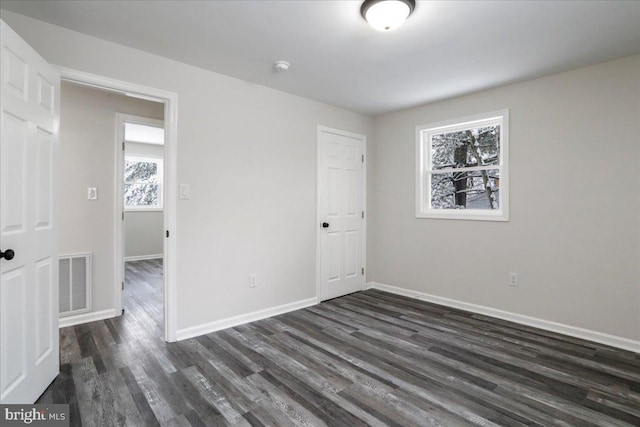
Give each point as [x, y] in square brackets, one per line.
[369, 358]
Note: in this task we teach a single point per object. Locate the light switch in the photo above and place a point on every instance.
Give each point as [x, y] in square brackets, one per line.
[92, 193]
[184, 191]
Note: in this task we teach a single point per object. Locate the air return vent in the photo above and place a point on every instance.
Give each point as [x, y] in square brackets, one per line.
[75, 284]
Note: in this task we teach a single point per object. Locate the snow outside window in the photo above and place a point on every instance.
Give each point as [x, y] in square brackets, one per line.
[142, 183]
[462, 170]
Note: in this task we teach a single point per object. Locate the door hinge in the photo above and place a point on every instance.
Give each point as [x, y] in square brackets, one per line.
[123, 215]
[123, 146]
[363, 158]
[363, 271]
[167, 233]
[363, 214]
[122, 286]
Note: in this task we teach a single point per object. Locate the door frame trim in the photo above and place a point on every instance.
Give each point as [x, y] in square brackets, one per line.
[170, 101]
[363, 248]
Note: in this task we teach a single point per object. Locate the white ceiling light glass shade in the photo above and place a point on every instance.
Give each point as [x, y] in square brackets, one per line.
[387, 15]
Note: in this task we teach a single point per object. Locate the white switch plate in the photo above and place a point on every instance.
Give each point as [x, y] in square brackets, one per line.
[184, 191]
[92, 193]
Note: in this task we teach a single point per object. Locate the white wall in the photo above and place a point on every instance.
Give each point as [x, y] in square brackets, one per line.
[143, 230]
[144, 234]
[574, 233]
[249, 154]
[87, 147]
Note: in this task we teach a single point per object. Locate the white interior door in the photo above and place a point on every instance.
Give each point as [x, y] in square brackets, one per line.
[340, 213]
[30, 107]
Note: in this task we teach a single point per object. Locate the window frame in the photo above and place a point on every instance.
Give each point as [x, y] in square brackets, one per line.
[424, 171]
[149, 159]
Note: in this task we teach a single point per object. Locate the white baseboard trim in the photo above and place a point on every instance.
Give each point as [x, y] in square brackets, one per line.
[143, 257]
[92, 316]
[586, 334]
[230, 322]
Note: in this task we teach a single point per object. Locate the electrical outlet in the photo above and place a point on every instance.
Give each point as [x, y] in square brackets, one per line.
[253, 281]
[514, 279]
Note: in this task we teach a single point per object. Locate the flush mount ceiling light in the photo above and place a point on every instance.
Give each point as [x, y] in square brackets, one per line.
[386, 15]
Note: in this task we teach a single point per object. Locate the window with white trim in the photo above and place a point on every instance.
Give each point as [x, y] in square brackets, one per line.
[462, 170]
[142, 183]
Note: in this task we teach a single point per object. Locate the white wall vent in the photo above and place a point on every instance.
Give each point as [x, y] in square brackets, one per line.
[75, 284]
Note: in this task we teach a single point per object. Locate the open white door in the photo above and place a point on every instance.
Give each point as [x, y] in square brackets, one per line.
[30, 108]
[340, 213]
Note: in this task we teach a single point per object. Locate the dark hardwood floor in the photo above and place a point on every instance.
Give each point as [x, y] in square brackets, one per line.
[367, 358]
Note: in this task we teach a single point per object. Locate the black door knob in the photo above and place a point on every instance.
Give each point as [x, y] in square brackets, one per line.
[325, 225]
[8, 254]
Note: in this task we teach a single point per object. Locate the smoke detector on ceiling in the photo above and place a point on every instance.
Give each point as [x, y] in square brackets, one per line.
[281, 65]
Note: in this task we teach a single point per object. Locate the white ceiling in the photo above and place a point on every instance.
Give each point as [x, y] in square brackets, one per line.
[445, 49]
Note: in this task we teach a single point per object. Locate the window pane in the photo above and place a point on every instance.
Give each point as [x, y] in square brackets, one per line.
[141, 172]
[141, 194]
[461, 149]
[466, 190]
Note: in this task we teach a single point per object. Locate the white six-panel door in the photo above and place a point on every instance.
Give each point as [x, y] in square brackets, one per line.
[30, 100]
[340, 213]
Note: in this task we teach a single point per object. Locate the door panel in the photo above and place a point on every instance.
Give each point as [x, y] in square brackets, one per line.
[29, 108]
[46, 94]
[43, 305]
[44, 190]
[333, 191]
[340, 204]
[12, 175]
[351, 266]
[15, 76]
[352, 190]
[333, 251]
[13, 341]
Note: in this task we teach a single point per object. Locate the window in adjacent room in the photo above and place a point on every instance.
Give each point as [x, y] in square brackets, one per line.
[462, 170]
[142, 183]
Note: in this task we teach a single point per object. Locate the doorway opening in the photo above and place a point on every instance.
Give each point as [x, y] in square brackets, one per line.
[147, 262]
[90, 191]
[141, 167]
